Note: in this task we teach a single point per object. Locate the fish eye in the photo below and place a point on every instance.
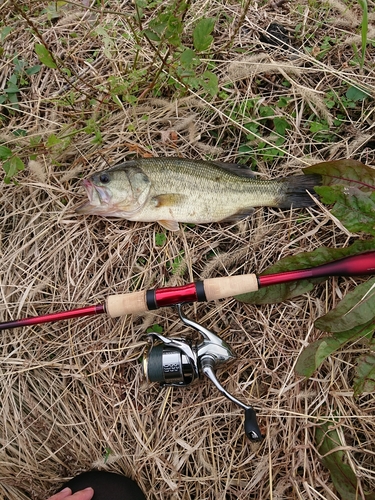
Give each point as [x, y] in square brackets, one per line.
[104, 178]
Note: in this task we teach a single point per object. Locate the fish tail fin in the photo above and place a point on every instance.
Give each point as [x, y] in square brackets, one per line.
[297, 189]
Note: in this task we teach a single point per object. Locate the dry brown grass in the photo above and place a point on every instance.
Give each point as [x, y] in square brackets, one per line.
[71, 391]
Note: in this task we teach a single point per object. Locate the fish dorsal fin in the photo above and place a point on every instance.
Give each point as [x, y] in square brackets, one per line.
[171, 225]
[168, 199]
[234, 168]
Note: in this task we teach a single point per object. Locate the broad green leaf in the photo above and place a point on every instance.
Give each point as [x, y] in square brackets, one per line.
[355, 309]
[304, 260]
[278, 293]
[193, 82]
[5, 153]
[11, 89]
[345, 172]
[152, 35]
[12, 166]
[12, 84]
[356, 94]
[45, 56]
[353, 207]
[159, 24]
[349, 186]
[210, 83]
[13, 99]
[315, 353]
[53, 140]
[189, 59]
[4, 32]
[266, 111]
[329, 194]
[174, 30]
[335, 460]
[281, 125]
[364, 380]
[142, 4]
[202, 38]
[33, 69]
[318, 127]
[20, 132]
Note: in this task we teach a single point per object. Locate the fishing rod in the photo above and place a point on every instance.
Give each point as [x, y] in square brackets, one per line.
[202, 291]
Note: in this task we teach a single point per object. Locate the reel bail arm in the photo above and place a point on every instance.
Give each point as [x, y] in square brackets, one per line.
[175, 362]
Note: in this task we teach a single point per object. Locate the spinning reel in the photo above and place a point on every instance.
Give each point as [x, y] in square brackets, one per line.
[176, 362]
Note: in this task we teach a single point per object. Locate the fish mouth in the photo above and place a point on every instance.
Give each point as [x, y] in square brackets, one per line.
[99, 199]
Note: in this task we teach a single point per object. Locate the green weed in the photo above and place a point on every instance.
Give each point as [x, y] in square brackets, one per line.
[160, 239]
[182, 63]
[18, 80]
[155, 328]
[263, 120]
[364, 30]
[12, 163]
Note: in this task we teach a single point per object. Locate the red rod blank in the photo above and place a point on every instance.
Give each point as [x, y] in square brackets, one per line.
[48, 318]
[355, 265]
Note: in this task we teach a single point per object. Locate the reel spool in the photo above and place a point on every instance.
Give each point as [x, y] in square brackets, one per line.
[176, 362]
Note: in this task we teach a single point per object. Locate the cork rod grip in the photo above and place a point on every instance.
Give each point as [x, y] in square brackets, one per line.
[214, 288]
[126, 303]
[229, 286]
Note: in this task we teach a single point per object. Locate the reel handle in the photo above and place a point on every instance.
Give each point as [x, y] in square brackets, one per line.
[251, 426]
[252, 430]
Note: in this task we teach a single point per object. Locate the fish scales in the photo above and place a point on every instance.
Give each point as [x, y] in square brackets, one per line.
[172, 190]
[208, 192]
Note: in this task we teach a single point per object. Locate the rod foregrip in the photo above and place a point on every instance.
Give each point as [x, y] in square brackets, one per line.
[201, 291]
[126, 303]
[230, 286]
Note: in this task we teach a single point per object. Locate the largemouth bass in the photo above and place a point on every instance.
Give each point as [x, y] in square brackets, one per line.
[171, 190]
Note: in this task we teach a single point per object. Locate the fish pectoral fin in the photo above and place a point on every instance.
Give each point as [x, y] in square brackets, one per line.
[241, 214]
[171, 225]
[168, 199]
